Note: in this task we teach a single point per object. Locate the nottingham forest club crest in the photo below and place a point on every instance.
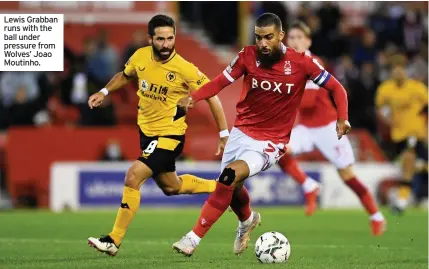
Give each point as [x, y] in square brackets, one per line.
[288, 68]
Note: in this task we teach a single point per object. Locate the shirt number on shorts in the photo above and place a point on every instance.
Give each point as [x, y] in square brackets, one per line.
[151, 147]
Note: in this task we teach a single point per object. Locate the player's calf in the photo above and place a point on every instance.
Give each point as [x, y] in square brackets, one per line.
[130, 203]
[191, 184]
[171, 184]
[290, 166]
[377, 219]
[170, 191]
[214, 207]
[404, 190]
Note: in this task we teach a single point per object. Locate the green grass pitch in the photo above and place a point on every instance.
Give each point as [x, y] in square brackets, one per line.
[330, 239]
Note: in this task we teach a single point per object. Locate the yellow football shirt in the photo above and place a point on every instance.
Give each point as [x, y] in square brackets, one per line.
[405, 103]
[160, 86]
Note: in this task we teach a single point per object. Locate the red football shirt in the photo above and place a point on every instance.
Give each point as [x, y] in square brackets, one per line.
[317, 108]
[270, 98]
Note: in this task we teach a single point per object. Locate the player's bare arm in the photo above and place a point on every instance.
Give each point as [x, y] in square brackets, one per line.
[219, 116]
[118, 81]
[205, 92]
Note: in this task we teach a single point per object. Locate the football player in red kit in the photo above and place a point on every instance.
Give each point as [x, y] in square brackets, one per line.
[315, 127]
[274, 81]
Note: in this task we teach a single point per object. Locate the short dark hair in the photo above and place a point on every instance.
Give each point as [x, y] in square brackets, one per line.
[300, 25]
[398, 60]
[160, 21]
[268, 19]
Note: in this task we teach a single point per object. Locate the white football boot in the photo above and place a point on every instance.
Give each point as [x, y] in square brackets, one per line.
[104, 244]
[185, 246]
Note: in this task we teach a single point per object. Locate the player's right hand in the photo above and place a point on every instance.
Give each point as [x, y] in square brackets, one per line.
[221, 144]
[96, 100]
[186, 103]
[343, 127]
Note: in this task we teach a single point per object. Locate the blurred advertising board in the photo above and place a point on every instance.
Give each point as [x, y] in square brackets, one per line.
[100, 185]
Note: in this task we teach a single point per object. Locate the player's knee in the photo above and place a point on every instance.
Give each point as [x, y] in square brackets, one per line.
[227, 177]
[132, 180]
[346, 173]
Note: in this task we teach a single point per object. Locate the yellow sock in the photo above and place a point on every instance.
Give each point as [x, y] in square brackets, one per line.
[192, 184]
[404, 192]
[129, 205]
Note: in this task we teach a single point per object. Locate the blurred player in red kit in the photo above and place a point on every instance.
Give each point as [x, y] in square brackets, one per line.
[316, 128]
[274, 81]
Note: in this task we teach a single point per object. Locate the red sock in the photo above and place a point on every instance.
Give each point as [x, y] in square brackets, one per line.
[240, 204]
[364, 195]
[213, 208]
[289, 165]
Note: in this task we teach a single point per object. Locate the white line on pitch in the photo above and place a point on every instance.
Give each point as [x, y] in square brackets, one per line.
[163, 242]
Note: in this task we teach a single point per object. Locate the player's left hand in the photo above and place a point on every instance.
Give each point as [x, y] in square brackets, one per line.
[343, 127]
[221, 145]
[186, 103]
[96, 100]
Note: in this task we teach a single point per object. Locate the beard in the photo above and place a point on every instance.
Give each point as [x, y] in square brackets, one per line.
[268, 60]
[162, 56]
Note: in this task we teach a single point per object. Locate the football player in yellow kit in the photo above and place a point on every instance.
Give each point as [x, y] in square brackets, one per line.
[400, 101]
[164, 77]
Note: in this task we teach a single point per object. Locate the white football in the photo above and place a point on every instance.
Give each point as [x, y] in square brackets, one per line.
[272, 247]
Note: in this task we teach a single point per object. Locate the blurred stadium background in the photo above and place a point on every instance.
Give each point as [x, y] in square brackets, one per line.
[57, 154]
[44, 118]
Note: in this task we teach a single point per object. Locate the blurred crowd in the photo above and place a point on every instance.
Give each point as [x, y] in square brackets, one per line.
[31, 98]
[359, 57]
[44, 99]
